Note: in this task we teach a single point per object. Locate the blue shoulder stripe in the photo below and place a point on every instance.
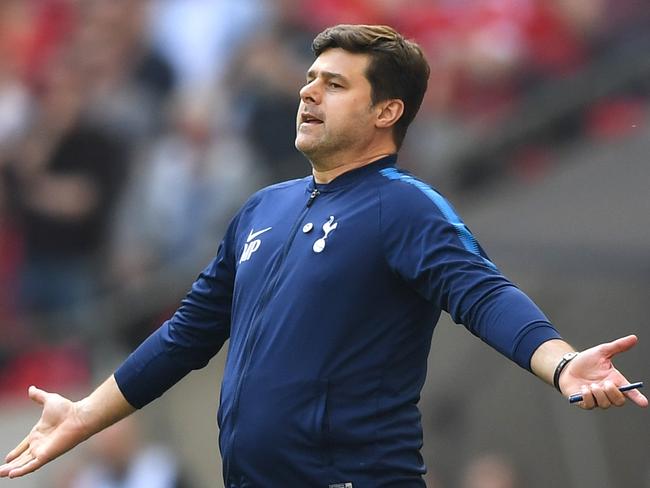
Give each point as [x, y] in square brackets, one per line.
[465, 236]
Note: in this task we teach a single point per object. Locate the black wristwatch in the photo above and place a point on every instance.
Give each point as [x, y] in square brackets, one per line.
[566, 359]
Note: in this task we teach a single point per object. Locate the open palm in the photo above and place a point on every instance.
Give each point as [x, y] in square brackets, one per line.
[59, 429]
[593, 375]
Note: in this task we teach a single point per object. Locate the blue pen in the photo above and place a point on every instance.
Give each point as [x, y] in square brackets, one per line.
[632, 386]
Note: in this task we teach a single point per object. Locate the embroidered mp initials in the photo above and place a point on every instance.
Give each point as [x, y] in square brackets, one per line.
[252, 245]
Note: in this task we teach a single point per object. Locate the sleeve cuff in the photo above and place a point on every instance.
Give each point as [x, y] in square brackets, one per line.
[534, 337]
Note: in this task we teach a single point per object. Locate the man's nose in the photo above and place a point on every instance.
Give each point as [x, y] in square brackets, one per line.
[309, 93]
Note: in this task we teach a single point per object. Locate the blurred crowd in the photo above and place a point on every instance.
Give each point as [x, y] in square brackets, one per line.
[131, 130]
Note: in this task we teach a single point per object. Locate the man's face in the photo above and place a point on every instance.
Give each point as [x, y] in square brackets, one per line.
[335, 120]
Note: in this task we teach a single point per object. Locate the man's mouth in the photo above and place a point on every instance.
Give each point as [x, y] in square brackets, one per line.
[307, 118]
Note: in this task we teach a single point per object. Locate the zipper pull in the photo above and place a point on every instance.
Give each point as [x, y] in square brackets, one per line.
[312, 197]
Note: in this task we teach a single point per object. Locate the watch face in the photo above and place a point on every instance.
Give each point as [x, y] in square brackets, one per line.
[569, 355]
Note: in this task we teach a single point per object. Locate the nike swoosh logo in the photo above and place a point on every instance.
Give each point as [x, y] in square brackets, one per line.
[253, 235]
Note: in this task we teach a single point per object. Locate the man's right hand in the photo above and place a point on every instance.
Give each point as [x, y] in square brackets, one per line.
[63, 425]
[59, 429]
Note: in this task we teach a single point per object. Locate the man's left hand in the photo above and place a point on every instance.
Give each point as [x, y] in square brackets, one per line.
[593, 375]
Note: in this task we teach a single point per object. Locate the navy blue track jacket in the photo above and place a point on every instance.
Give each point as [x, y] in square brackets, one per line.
[329, 294]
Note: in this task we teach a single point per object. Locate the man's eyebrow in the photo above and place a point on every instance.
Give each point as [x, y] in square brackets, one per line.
[328, 75]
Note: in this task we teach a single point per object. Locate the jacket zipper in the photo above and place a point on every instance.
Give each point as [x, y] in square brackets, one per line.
[265, 296]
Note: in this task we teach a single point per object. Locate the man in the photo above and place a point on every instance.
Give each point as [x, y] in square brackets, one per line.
[329, 288]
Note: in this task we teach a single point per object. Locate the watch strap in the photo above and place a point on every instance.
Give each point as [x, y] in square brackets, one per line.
[566, 359]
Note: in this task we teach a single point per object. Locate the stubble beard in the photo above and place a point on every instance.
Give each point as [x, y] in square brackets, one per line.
[313, 147]
[326, 150]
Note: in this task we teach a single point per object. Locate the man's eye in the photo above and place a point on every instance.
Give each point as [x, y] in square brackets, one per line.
[335, 85]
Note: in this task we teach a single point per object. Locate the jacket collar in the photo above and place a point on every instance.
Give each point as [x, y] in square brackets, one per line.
[354, 175]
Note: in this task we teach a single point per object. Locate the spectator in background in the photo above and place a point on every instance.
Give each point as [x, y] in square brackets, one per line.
[263, 82]
[185, 186]
[201, 54]
[15, 107]
[119, 460]
[490, 471]
[62, 182]
[128, 81]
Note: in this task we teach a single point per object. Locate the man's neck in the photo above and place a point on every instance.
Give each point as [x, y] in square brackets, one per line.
[324, 175]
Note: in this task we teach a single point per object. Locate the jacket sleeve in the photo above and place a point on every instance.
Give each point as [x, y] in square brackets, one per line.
[428, 246]
[190, 338]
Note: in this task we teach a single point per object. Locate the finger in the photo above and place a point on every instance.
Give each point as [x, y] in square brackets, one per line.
[612, 392]
[18, 450]
[17, 463]
[31, 466]
[610, 349]
[600, 396]
[4, 470]
[588, 401]
[37, 395]
[637, 397]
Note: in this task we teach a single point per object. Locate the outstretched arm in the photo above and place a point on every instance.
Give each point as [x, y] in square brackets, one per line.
[591, 373]
[63, 425]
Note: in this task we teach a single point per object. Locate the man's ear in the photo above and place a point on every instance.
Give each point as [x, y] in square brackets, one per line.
[390, 112]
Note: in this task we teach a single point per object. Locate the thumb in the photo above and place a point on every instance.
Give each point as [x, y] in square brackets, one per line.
[610, 349]
[37, 395]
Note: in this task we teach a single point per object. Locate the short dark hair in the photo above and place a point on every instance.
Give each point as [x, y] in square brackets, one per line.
[397, 67]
